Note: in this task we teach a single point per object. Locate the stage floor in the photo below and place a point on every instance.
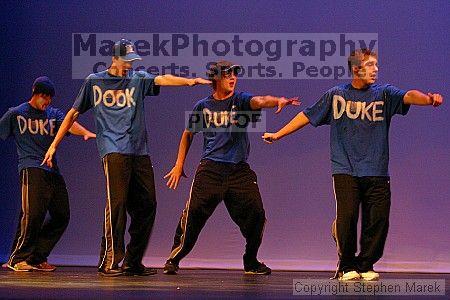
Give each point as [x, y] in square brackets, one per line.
[85, 283]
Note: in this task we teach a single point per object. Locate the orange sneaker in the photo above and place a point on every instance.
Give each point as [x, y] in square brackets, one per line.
[45, 267]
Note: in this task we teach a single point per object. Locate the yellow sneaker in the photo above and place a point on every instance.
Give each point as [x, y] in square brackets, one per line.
[22, 266]
[370, 276]
[349, 276]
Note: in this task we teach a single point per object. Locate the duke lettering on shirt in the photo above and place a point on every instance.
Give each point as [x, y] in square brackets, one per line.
[224, 118]
[218, 118]
[38, 126]
[356, 109]
[110, 98]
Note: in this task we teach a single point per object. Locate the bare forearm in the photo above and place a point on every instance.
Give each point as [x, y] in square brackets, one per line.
[258, 102]
[170, 80]
[78, 129]
[185, 144]
[298, 122]
[416, 97]
[65, 126]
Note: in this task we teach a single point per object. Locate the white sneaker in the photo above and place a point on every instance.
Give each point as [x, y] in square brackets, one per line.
[348, 276]
[370, 276]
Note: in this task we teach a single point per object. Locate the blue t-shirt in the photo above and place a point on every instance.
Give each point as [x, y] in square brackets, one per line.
[360, 120]
[224, 126]
[118, 109]
[33, 131]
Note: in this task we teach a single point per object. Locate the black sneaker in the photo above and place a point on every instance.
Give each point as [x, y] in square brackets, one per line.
[140, 270]
[260, 269]
[110, 272]
[170, 268]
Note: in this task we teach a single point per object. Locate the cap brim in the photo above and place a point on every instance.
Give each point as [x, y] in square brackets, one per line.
[130, 57]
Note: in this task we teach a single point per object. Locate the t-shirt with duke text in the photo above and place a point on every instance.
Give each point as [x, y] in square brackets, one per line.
[359, 120]
[118, 106]
[224, 125]
[33, 131]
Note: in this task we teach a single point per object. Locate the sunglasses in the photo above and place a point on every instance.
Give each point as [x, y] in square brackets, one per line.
[228, 73]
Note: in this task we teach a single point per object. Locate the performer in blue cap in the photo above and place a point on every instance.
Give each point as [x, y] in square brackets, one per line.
[116, 96]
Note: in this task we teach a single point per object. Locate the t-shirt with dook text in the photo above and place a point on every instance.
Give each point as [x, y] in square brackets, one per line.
[33, 131]
[118, 108]
[224, 125]
[359, 120]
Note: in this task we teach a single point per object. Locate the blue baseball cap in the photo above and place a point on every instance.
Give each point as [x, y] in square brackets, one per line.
[43, 85]
[124, 49]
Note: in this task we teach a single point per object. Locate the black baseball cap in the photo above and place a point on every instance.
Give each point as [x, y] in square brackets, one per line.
[222, 66]
[124, 49]
[43, 85]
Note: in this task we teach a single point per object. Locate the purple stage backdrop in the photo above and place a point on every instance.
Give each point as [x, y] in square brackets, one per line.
[412, 38]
